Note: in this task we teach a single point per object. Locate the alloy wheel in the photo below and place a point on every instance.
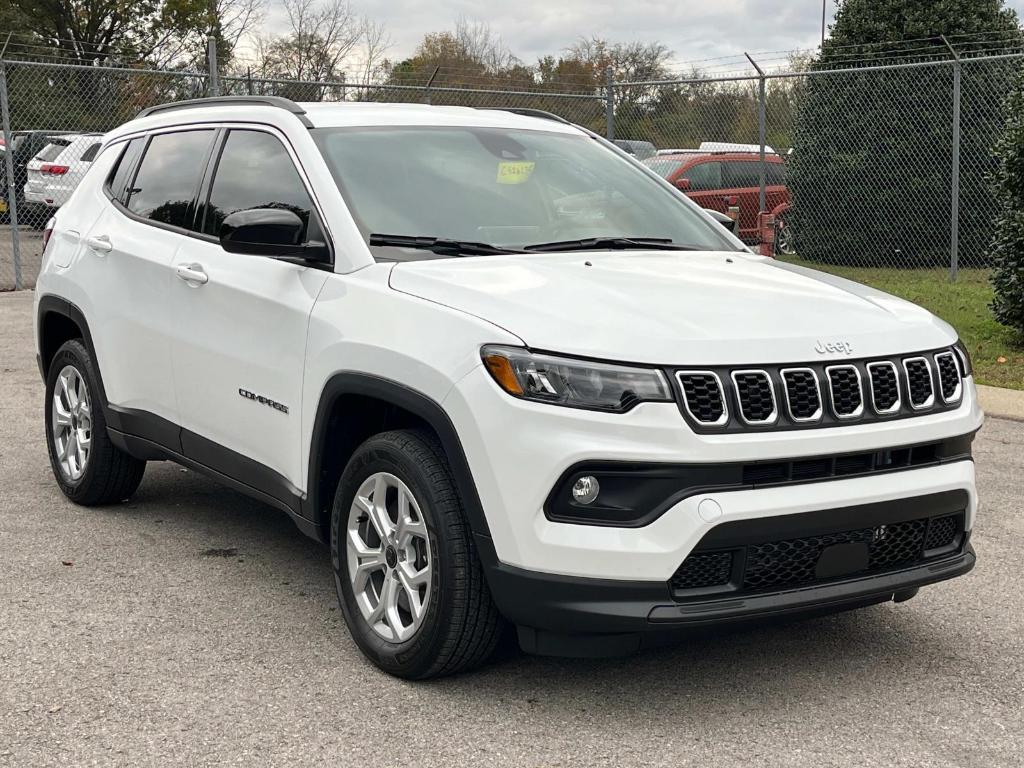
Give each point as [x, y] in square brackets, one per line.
[71, 414]
[389, 562]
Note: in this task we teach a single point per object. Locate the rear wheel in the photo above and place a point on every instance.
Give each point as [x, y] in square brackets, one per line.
[408, 577]
[784, 238]
[89, 468]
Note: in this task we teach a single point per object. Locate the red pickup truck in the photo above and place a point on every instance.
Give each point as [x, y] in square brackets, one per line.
[718, 180]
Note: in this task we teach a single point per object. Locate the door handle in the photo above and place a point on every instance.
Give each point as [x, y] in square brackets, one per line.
[100, 243]
[192, 274]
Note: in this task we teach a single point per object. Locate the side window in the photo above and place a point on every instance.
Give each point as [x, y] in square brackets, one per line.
[255, 171]
[166, 182]
[119, 177]
[704, 176]
[776, 173]
[742, 174]
[90, 153]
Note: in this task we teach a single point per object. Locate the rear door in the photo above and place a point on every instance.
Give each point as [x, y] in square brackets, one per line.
[240, 330]
[705, 177]
[35, 180]
[742, 179]
[126, 267]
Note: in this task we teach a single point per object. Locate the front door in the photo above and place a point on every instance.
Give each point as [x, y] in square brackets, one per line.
[240, 337]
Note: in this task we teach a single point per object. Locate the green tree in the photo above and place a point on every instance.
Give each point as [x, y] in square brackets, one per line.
[870, 175]
[1008, 250]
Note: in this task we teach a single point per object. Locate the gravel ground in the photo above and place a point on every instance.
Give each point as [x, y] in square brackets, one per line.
[192, 626]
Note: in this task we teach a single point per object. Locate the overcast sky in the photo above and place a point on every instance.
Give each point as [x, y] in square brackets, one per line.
[692, 29]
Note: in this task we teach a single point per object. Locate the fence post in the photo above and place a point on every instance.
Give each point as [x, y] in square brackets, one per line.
[12, 196]
[954, 227]
[609, 104]
[761, 130]
[211, 61]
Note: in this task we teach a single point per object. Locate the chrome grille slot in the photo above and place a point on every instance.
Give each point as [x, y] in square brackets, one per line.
[703, 397]
[755, 396]
[950, 385]
[803, 394]
[920, 387]
[845, 391]
[885, 387]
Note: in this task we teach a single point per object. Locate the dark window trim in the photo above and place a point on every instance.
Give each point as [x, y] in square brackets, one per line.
[206, 178]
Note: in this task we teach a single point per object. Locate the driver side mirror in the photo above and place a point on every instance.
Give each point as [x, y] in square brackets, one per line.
[683, 185]
[274, 232]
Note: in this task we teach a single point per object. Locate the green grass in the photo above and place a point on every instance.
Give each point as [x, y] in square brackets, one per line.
[963, 304]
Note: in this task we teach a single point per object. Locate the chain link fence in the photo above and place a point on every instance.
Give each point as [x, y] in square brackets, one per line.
[877, 166]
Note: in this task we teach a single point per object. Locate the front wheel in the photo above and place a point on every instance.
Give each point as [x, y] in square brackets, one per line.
[408, 577]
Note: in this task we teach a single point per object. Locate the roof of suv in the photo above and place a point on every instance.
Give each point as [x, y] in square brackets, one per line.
[330, 115]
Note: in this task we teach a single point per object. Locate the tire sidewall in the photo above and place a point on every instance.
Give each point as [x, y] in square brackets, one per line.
[411, 657]
[75, 354]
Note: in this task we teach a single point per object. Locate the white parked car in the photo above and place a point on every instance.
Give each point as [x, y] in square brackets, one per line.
[509, 376]
[53, 174]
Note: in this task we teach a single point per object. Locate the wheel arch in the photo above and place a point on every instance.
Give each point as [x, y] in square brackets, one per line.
[352, 395]
[59, 321]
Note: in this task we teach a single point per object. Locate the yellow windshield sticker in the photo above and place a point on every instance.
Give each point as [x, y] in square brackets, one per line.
[514, 172]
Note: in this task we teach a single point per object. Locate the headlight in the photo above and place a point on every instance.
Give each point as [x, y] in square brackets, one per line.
[966, 367]
[573, 383]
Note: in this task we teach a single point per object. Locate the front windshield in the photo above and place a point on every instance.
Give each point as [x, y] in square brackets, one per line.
[505, 187]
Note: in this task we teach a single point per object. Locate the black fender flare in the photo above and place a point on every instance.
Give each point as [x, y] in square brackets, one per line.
[50, 304]
[426, 408]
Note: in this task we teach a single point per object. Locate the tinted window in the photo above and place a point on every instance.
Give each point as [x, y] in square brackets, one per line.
[742, 174]
[50, 151]
[704, 176]
[664, 168]
[90, 153]
[254, 171]
[776, 173]
[168, 175]
[119, 178]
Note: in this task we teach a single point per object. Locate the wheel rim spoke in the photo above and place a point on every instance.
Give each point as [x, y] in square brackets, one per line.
[388, 557]
[71, 423]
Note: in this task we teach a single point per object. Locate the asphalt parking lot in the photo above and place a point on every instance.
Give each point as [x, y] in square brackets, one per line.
[193, 626]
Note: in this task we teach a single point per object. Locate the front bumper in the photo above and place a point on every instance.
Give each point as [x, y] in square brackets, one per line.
[518, 451]
[564, 615]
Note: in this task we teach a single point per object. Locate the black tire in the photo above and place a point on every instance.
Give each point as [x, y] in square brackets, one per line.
[110, 475]
[461, 627]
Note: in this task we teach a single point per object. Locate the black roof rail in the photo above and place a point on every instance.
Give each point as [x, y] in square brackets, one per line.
[528, 112]
[223, 101]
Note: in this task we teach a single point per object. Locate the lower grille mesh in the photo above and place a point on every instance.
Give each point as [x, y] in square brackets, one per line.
[793, 562]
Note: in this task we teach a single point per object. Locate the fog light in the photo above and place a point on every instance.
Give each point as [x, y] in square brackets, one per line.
[585, 490]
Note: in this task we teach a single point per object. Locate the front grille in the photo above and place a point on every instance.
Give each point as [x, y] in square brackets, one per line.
[703, 569]
[809, 395]
[885, 387]
[702, 395]
[949, 377]
[802, 394]
[795, 562]
[919, 382]
[756, 396]
[844, 388]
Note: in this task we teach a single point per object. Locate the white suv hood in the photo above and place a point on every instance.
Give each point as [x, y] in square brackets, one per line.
[675, 308]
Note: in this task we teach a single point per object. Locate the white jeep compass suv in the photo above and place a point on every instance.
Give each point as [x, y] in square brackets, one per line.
[510, 376]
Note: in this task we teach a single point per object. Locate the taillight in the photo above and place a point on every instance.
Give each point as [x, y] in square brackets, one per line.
[47, 231]
[54, 170]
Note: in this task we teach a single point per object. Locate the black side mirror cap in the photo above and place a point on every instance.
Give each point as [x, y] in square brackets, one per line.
[274, 232]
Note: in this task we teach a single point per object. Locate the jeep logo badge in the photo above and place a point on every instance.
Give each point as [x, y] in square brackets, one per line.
[833, 347]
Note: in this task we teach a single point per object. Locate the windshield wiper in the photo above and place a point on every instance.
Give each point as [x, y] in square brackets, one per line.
[613, 244]
[440, 245]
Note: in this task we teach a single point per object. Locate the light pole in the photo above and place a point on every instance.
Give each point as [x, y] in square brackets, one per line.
[823, 21]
